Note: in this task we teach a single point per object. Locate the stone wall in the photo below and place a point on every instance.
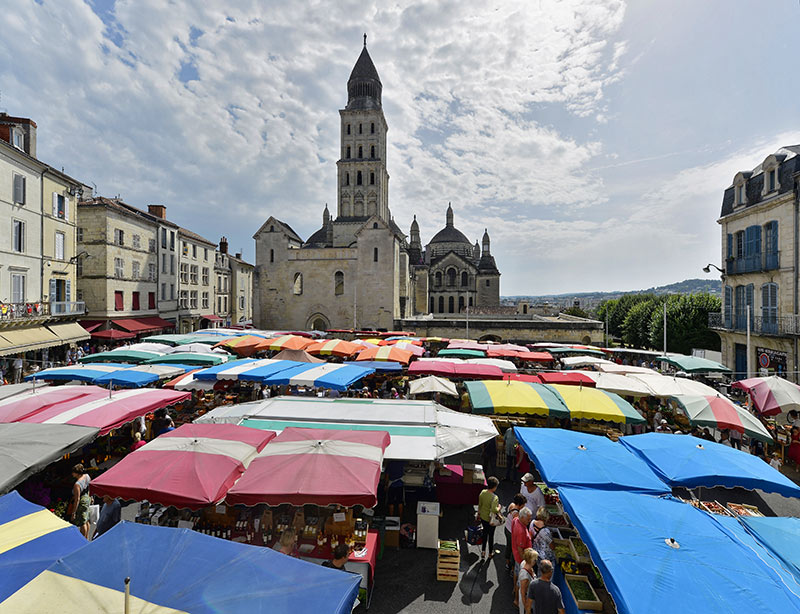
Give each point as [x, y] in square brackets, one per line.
[523, 331]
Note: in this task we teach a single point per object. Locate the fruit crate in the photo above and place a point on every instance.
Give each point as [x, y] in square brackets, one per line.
[587, 598]
[715, 507]
[742, 509]
[579, 550]
[448, 561]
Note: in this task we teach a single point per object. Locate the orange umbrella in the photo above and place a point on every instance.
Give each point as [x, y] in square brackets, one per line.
[285, 342]
[335, 347]
[243, 346]
[402, 341]
[387, 352]
[416, 350]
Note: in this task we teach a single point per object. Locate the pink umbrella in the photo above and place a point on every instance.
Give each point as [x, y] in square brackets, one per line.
[771, 395]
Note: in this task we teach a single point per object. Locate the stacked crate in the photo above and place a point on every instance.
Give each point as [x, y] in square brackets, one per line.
[448, 561]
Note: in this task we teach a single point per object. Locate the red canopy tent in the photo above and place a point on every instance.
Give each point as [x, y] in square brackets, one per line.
[190, 467]
[314, 466]
[113, 334]
[454, 369]
[522, 377]
[566, 377]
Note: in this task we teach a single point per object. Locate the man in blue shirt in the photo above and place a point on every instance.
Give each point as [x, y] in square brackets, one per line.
[110, 514]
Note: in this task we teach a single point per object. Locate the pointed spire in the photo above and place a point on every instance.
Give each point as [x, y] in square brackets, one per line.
[326, 216]
[486, 242]
[449, 214]
[414, 225]
[365, 39]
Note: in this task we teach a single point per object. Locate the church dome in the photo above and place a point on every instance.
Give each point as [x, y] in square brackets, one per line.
[450, 234]
[450, 239]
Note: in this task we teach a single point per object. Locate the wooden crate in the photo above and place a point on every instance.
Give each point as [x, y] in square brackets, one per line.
[584, 604]
[448, 563]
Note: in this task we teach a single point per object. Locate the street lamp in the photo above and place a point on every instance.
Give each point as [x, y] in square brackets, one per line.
[707, 268]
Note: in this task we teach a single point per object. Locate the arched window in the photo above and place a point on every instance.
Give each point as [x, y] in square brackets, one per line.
[272, 228]
[372, 151]
[451, 304]
[360, 151]
[347, 152]
[358, 178]
[348, 128]
[451, 277]
[464, 278]
[298, 284]
[359, 129]
[374, 224]
[432, 305]
[338, 283]
[769, 307]
[372, 128]
[372, 178]
[438, 278]
[441, 304]
[347, 178]
[272, 255]
[470, 301]
[374, 254]
[460, 304]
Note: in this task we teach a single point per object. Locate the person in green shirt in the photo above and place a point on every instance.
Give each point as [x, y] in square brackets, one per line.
[488, 504]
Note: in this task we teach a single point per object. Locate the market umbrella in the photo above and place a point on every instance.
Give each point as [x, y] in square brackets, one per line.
[170, 574]
[189, 381]
[140, 375]
[576, 378]
[507, 347]
[574, 362]
[670, 386]
[658, 554]
[506, 366]
[689, 462]
[388, 352]
[285, 342]
[427, 366]
[195, 348]
[233, 370]
[771, 395]
[465, 344]
[432, 384]
[243, 346]
[620, 384]
[112, 334]
[612, 367]
[26, 449]
[719, 412]
[592, 404]
[76, 373]
[185, 358]
[325, 375]
[25, 404]
[120, 355]
[560, 351]
[380, 366]
[10, 390]
[415, 349]
[694, 364]
[781, 536]
[522, 377]
[297, 356]
[314, 466]
[334, 347]
[461, 353]
[190, 467]
[510, 397]
[146, 346]
[31, 539]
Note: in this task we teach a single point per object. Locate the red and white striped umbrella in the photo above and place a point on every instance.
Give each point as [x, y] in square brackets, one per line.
[771, 395]
[190, 467]
[314, 466]
[721, 413]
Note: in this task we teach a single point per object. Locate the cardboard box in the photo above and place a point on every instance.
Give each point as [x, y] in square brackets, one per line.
[391, 536]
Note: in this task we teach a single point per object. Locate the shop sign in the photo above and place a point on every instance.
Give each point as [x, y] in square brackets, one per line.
[771, 361]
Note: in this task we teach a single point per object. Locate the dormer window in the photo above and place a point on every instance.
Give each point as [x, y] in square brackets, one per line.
[740, 194]
[772, 182]
[18, 139]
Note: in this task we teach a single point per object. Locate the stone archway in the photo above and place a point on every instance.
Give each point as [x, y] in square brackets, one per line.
[495, 338]
[318, 321]
[587, 340]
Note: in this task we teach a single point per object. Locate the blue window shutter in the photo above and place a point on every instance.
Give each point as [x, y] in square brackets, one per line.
[756, 240]
[67, 290]
[52, 290]
[730, 246]
[728, 305]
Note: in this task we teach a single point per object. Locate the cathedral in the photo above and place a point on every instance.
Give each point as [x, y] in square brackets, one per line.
[359, 270]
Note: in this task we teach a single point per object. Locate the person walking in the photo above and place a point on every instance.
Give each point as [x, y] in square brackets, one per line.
[517, 503]
[110, 514]
[80, 502]
[526, 576]
[18, 369]
[510, 442]
[544, 595]
[534, 498]
[520, 540]
[489, 512]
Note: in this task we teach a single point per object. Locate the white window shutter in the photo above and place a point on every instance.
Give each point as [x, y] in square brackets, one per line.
[66, 208]
[55, 204]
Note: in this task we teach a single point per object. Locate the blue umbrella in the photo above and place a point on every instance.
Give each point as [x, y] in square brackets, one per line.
[781, 536]
[378, 365]
[186, 571]
[684, 460]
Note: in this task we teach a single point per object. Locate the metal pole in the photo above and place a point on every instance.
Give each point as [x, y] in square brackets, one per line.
[606, 327]
[749, 366]
[665, 328]
[467, 321]
[127, 595]
[355, 303]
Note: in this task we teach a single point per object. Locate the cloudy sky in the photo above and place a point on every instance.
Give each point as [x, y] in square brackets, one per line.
[593, 138]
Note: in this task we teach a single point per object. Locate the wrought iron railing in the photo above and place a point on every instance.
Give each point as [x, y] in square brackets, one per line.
[31, 310]
[759, 325]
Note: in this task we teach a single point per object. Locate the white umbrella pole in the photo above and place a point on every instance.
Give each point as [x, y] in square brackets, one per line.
[749, 312]
[127, 595]
[665, 328]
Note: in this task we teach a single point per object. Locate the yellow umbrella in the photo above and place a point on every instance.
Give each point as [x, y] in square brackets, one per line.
[593, 404]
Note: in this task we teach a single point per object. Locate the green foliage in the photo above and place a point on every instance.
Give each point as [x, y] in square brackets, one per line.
[687, 323]
[636, 327]
[577, 312]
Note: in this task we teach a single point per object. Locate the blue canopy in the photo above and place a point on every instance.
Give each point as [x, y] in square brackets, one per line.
[127, 378]
[571, 458]
[210, 374]
[31, 539]
[186, 571]
[658, 554]
[316, 375]
[378, 365]
[260, 374]
[684, 460]
[781, 536]
[79, 373]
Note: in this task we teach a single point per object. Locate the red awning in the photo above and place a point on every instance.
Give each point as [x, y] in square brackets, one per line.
[566, 377]
[112, 333]
[157, 322]
[91, 325]
[135, 326]
[212, 318]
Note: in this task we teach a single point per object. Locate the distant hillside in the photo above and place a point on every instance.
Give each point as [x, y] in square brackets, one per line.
[688, 286]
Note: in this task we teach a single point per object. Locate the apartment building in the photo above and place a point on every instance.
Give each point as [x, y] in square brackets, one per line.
[758, 220]
[241, 291]
[168, 263]
[196, 260]
[222, 283]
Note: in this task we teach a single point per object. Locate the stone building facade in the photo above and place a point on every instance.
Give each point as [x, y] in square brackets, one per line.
[759, 218]
[196, 263]
[359, 269]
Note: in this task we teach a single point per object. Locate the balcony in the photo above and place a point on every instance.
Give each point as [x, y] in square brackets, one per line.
[780, 326]
[768, 261]
[16, 312]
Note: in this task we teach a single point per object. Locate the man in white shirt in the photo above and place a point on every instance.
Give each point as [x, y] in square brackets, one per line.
[534, 498]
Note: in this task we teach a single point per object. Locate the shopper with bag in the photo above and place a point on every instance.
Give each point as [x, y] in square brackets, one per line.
[489, 512]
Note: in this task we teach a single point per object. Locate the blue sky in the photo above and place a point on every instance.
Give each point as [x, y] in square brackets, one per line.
[592, 138]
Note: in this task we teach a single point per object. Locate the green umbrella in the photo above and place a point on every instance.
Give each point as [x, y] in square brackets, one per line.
[457, 353]
[185, 358]
[575, 351]
[122, 355]
[694, 364]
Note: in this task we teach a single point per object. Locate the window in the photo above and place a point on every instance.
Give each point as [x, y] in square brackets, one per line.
[372, 178]
[119, 268]
[184, 301]
[59, 206]
[79, 234]
[60, 245]
[740, 244]
[372, 151]
[152, 272]
[194, 251]
[347, 178]
[470, 304]
[205, 254]
[204, 304]
[193, 274]
[119, 237]
[771, 245]
[172, 240]
[752, 248]
[272, 255]
[193, 299]
[464, 279]
[488, 283]
[360, 152]
[451, 277]
[374, 254]
[772, 180]
[135, 269]
[241, 303]
[347, 152]
[184, 273]
[441, 304]
[451, 304]
[360, 131]
[164, 238]
[348, 128]
[338, 283]
[298, 284]
[219, 283]
[372, 128]
[18, 139]
[137, 241]
[79, 267]
[438, 278]
[163, 292]
[359, 181]
[151, 300]
[225, 303]
[185, 248]
[18, 236]
[135, 301]
[19, 189]
[205, 275]
[172, 265]
[460, 304]
[219, 304]
[17, 288]
[172, 292]
[164, 263]
[740, 194]
[151, 246]
[119, 301]
[432, 306]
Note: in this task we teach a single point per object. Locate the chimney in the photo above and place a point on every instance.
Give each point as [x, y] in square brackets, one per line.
[238, 255]
[223, 245]
[160, 211]
[20, 132]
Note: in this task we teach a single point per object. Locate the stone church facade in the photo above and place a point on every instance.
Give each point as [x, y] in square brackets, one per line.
[359, 270]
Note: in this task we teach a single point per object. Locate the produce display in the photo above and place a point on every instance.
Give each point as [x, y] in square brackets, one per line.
[557, 521]
[583, 593]
[561, 549]
[581, 552]
[582, 590]
[448, 545]
[740, 509]
[715, 508]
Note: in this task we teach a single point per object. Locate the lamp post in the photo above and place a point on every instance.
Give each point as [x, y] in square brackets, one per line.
[709, 266]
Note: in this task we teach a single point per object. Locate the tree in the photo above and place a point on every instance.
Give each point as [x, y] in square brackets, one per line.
[687, 323]
[636, 327]
[577, 312]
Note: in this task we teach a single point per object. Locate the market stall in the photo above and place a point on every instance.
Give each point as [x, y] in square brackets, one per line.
[771, 396]
[515, 397]
[719, 412]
